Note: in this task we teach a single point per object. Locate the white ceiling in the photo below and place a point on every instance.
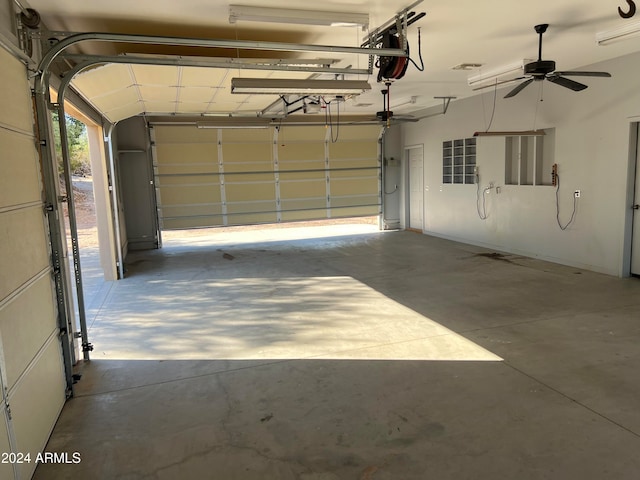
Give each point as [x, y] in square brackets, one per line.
[493, 33]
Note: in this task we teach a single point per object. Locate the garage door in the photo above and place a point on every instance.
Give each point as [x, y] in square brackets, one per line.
[208, 177]
[31, 367]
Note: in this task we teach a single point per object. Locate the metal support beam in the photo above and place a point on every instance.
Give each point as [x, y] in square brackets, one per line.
[58, 48]
[56, 235]
[214, 63]
[73, 227]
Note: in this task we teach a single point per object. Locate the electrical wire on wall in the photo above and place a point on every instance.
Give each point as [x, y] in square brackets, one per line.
[575, 204]
[482, 212]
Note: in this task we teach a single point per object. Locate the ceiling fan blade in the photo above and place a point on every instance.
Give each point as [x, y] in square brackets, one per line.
[576, 73]
[497, 84]
[518, 89]
[565, 82]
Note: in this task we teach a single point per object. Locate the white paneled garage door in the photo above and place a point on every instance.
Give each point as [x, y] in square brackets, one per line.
[218, 177]
[30, 354]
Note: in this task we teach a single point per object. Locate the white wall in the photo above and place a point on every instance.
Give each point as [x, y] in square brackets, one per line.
[592, 153]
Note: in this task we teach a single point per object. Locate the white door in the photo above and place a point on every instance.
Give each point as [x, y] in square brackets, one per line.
[635, 245]
[416, 197]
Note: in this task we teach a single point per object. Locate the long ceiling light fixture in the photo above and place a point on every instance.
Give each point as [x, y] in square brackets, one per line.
[285, 86]
[624, 32]
[511, 133]
[299, 17]
[498, 74]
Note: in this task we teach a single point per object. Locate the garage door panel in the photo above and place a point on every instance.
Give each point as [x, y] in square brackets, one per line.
[349, 186]
[303, 189]
[22, 236]
[33, 307]
[236, 153]
[192, 222]
[36, 403]
[307, 134]
[15, 94]
[192, 210]
[242, 135]
[348, 150]
[319, 203]
[19, 182]
[360, 132]
[199, 153]
[190, 194]
[251, 207]
[253, 218]
[185, 135]
[250, 192]
[354, 200]
[353, 163]
[364, 211]
[292, 152]
[260, 184]
[296, 216]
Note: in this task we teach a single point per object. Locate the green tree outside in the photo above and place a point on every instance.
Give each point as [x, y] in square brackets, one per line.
[78, 145]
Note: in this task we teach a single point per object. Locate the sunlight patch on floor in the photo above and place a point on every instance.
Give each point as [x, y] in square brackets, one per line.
[333, 317]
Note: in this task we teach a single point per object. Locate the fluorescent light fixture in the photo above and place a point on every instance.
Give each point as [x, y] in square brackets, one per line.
[405, 101]
[216, 125]
[491, 76]
[624, 32]
[299, 17]
[285, 86]
[525, 133]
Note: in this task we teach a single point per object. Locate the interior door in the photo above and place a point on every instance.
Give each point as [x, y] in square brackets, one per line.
[635, 245]
[416, 198]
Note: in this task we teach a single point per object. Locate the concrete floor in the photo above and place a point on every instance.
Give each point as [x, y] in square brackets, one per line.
[370, 356]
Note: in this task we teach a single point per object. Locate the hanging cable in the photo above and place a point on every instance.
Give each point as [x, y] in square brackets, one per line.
[493, 112]
[573, 214]
[328, 117]
[421, 67]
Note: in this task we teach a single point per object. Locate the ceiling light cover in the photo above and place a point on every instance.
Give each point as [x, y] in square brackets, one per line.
[491, 76]
[284, 86]
[298, 17]
[624, 32]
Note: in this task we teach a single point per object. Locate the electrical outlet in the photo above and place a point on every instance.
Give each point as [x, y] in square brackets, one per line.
[554, 174]
[498, 190]
[576, 194]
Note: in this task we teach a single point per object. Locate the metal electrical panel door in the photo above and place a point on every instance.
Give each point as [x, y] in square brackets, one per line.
[218, 177]
[32, 365]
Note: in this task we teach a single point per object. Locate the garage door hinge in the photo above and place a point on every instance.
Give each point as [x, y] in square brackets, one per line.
[6, 402]
[87, 347]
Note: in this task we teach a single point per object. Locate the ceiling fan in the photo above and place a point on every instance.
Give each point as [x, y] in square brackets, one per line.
[546, 70]
[386, 115]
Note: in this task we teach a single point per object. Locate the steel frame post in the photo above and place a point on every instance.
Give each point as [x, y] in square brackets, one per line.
[53, 213]
[73, 227]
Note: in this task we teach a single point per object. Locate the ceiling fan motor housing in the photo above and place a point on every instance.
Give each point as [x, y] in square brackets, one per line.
[540, 68]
